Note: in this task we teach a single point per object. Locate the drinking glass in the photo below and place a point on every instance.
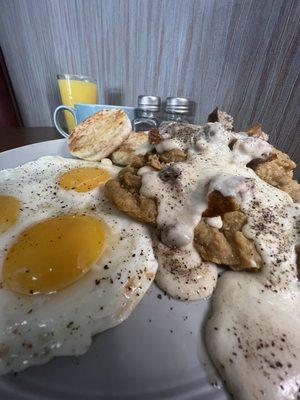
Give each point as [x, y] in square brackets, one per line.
[76, 89]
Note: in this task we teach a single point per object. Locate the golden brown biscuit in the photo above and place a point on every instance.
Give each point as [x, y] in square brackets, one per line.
[126, 152]
[99, 135]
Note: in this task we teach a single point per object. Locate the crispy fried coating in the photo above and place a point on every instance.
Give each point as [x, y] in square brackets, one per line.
[133, 204]
[130, 180]
[278, 172]
[212, 245]
[219, 204]
[154, 136]
[138, 162]
[255, 130]
[175, 155]
[154, 162]
[158, 161]
[227, 246]
[293, 189]
[225, 119]
[124, 193]
[233, 223]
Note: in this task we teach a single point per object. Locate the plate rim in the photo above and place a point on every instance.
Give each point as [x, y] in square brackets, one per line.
[30, 144]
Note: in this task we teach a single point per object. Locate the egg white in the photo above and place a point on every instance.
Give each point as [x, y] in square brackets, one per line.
[34, 329]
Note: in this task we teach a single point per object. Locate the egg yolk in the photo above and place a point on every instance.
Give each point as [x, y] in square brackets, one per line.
[83, 179]
[9, 211]
[53, 254]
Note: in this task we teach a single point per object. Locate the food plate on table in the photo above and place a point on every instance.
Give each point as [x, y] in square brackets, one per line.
[160, 350]
[136, 359]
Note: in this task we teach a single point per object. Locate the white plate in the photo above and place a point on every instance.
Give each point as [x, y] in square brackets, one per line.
[157, 353]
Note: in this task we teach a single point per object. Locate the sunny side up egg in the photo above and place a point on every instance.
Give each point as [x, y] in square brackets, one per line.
[71, 264]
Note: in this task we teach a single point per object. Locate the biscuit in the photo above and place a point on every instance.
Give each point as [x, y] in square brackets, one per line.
[99, 135]
[129, 148]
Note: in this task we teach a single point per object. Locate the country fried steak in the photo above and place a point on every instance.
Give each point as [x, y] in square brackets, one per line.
[226, 243]
[227, 246]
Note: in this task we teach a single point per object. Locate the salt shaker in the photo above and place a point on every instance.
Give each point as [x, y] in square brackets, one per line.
[147, 111]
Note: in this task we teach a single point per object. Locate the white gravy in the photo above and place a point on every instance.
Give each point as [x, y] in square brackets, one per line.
[181, 201]
[215, 222]
[253, 335]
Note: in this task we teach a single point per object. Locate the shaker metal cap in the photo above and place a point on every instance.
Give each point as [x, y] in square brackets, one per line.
[150, 103]
[179, 105]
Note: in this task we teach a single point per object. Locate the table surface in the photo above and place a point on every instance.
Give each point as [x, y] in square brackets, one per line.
[16, 137]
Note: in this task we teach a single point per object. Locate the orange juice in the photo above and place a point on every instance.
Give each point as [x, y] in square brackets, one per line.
[76, 90]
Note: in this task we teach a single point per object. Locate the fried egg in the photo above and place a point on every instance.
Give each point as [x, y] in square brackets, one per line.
[71, 265]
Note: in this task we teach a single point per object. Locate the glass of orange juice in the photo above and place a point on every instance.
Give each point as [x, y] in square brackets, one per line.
[76, 89]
